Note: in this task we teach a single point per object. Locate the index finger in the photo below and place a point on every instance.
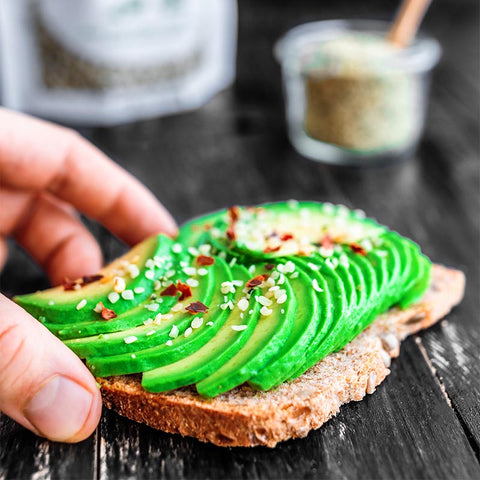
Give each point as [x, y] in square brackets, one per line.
[37, 155]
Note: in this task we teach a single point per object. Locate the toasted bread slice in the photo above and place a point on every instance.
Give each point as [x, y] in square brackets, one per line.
[246, 417]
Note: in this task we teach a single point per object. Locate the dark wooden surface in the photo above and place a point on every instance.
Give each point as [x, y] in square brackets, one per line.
[424, 420]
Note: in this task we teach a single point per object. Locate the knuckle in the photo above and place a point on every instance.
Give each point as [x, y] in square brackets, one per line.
[15, 357]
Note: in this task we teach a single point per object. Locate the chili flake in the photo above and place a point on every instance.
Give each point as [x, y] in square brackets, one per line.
[256, 281]
[286, 236]
[269, 266]
[196, 307]
[170, 291]
[234, 214]
[184, 290]
[355, 247]
[107, 313]
[205, 260]
[269, 249]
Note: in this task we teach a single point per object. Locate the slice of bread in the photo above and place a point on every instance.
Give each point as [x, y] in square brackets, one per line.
[245, 417]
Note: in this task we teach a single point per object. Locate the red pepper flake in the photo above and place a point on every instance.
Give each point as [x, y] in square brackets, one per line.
[91, 278]
[205, 260]
[234, 214]
[107, 313]
[185, 291]
[326, 242]
[286, 236]
[170, 291]
[196, 307]
[68, 284]
[358, 249]
[269, 266]
[256, 281]
[269, 249]
[81, 282]
[231, 232]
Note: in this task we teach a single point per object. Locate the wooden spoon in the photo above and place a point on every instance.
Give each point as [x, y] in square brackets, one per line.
[406, 22]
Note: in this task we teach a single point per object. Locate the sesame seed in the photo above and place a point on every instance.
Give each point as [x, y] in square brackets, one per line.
[191, 282]
[313, 266]
[242, 315]
[197, 322]
[138, 290]
[239, 328]
[278, 293]
[176, 248]
[119, 284]
[188, 332]
[133, 355]
[227, 287]
[150, 264]
[282, 298]
[157, 285]
[130, 339]
[209, 324]
[332, 262]
[174, 332]
[148, 321]
[233, 261]
[98, 307]
[190, 271]
[343, 260]
[202, 272]
[382, 253]
[113, 297]
[168, 343]
[170, 274]
[289, 267]
[270, 282]
[133, 270]
[81, 304]
[51, 302]
[316, 286]
[274, 288]
[251, 269]
[294, 275]
[281, 280]
[149, 274]
[127, 294]
[152, 307]
[204, 249]
[151, 332]
[177, 308]
[265, 311]
[282, 311]
[193, 251]
[390, 342]
[263, 301]
[250, 312]
[237, 283]
[158, 317]
[242, 304]
[326, 251]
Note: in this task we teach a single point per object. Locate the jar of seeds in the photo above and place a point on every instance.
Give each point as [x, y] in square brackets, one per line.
[351, 97]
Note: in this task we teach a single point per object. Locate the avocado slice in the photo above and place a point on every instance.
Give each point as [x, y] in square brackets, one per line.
[137, 269]
[266, 341]
[229, 339]
[148, 334]
[307, 318]
[197, 333]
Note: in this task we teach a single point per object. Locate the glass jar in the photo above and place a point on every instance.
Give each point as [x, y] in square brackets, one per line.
[351, 97]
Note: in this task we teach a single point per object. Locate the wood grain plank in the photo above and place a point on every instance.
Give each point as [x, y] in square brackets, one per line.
[404, 430]
[23, 455]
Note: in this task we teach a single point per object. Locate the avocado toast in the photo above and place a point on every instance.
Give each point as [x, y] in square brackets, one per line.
[255, 324]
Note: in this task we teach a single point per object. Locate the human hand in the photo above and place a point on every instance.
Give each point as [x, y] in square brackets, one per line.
[46, 172]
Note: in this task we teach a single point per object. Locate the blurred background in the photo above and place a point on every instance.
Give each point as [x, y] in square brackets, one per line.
[191, 102]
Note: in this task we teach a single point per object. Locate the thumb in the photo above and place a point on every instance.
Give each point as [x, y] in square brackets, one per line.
[43, 385]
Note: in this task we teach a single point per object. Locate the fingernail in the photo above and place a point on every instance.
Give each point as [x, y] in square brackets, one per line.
[59, 409]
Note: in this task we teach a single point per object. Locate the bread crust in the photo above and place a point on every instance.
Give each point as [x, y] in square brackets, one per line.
[245, 417]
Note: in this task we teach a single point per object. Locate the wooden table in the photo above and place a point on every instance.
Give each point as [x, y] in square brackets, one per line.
[423, 421]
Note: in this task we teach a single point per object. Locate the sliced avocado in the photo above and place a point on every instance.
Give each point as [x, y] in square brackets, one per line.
[307, 318]
[149, 334]
[267, 339]
[138, 269]
[199, 331]
[229, 339]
